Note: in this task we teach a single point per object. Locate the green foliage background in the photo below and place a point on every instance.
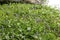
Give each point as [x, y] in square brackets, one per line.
[29, 22]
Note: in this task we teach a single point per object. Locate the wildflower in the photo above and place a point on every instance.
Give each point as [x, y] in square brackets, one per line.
[29, 28]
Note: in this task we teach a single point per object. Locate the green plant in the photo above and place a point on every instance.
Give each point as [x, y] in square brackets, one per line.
[28, 22]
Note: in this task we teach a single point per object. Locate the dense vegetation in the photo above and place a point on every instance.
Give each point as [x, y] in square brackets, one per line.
[29, 22]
